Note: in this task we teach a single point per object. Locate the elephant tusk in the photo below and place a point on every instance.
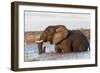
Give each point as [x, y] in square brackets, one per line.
[40, 41]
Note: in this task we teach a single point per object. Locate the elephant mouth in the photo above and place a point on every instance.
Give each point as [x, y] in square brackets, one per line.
[38, 41]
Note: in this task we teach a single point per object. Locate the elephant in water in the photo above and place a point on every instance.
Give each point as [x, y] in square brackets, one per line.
[65, 40]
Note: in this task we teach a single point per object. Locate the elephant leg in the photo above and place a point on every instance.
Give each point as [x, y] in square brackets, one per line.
[44, 49]
[66, 50]
[66, 46]
[63, 47]
[57, 49]
[83, 47]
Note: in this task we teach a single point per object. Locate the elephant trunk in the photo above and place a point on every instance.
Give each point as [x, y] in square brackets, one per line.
[40, 49]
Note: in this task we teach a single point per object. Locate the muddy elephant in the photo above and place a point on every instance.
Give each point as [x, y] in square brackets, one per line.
[65, 40]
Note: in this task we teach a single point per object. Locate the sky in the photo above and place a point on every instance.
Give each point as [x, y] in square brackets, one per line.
[38, 21]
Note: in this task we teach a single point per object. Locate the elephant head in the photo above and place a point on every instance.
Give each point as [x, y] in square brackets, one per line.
[52, 34]
[47, 35]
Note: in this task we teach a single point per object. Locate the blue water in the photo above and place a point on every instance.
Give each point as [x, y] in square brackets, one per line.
[34, 48]
[31, 53]
[31, 50]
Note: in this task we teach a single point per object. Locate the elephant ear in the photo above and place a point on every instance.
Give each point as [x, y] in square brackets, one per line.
[60, 34]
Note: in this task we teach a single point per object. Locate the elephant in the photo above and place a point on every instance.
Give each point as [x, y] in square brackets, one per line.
[65, 40]
[46, 36]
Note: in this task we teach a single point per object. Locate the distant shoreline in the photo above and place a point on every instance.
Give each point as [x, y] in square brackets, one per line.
[32, 36]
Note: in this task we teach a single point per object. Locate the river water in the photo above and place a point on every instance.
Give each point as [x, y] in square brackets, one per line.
[31, 54]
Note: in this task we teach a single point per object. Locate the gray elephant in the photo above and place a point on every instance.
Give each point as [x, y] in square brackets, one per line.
[65, 40]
